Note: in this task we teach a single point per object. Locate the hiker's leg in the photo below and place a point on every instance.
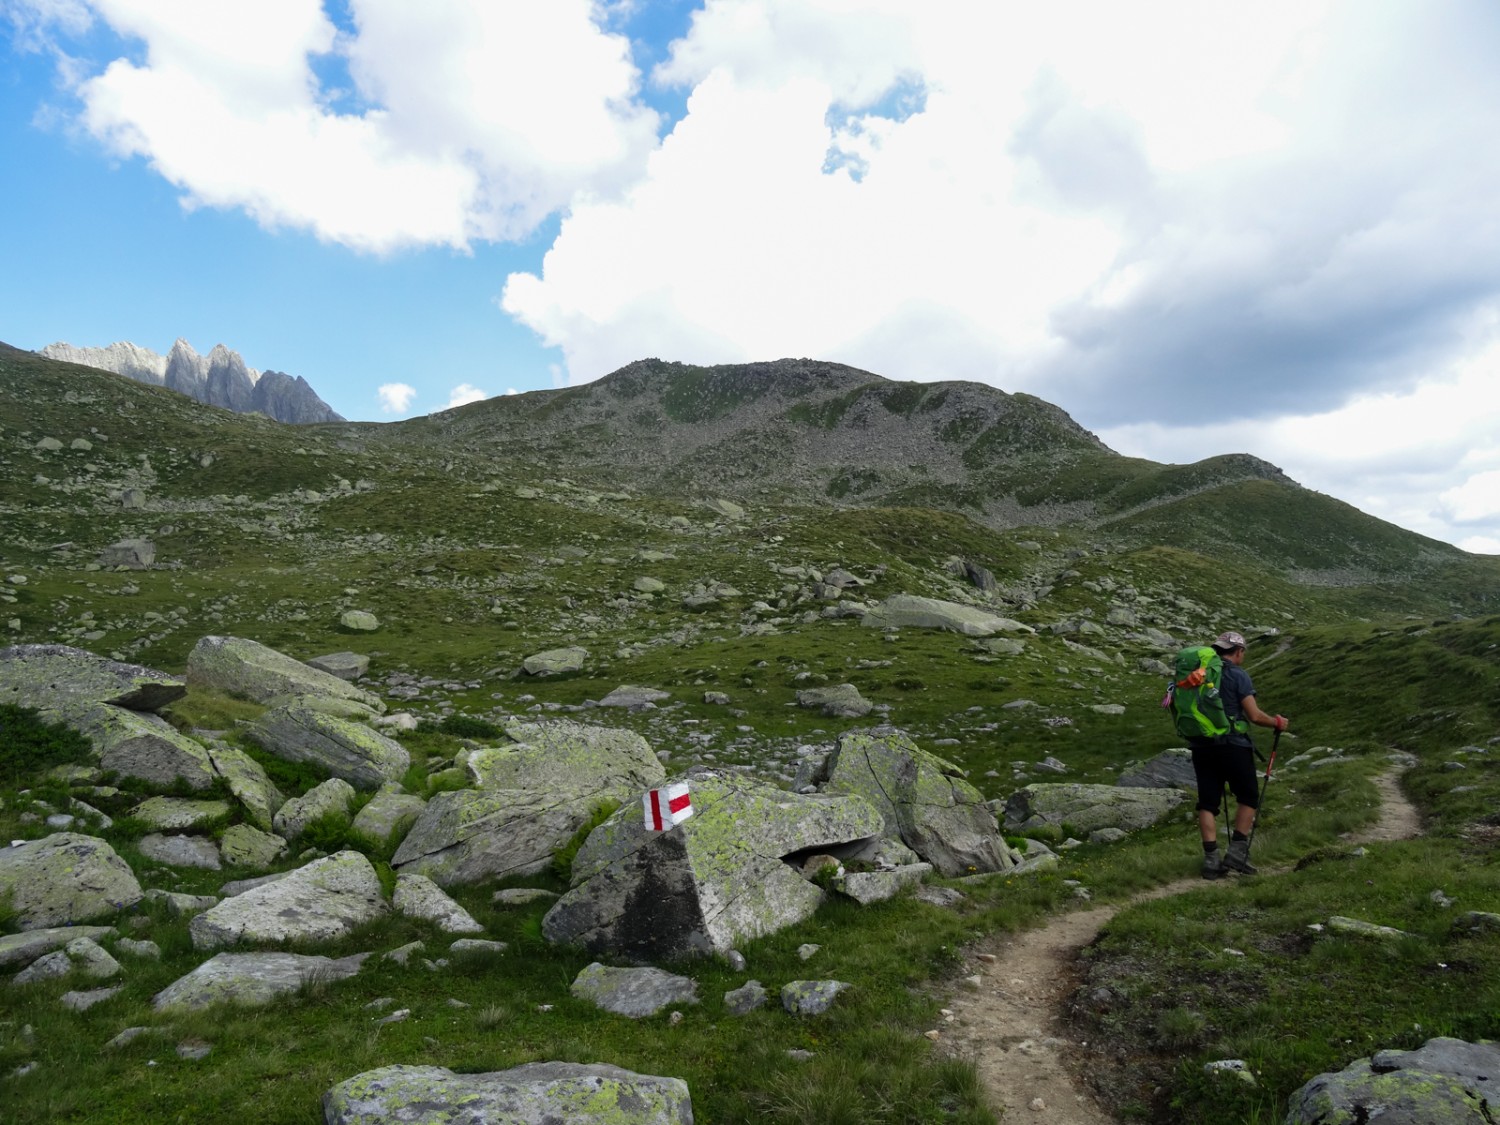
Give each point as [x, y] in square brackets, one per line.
[1244, 819]
[1208, 826]
[1208, 769]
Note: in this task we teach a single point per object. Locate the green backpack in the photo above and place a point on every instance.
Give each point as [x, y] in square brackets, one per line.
[1193, 696]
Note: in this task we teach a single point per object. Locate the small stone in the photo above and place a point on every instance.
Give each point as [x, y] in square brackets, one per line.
[194, 1049]
[806, 951]
[1038, 1105]
[934, 1034]
[397, 1016]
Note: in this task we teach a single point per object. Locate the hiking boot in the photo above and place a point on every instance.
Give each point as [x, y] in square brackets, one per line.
[1238, 858]
[1213, 865]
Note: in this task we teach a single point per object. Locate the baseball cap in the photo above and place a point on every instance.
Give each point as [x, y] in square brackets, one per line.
[1229, 641]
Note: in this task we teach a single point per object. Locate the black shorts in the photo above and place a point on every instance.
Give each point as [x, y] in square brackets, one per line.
[1216, 766]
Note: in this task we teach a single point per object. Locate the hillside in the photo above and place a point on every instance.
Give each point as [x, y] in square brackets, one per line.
[677, 525]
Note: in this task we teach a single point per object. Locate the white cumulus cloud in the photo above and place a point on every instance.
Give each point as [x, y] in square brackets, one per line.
[463, 394]
[396, 398]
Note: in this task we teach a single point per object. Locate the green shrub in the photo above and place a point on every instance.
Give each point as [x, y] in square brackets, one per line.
[31, 746]
[466, 726]
[562, 859]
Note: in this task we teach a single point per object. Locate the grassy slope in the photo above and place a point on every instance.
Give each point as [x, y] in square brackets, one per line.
[469, 576]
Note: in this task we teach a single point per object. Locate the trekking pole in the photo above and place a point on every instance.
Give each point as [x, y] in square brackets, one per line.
[1270, 765]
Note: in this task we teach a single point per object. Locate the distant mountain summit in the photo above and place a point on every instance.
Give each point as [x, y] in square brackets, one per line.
[220, 378]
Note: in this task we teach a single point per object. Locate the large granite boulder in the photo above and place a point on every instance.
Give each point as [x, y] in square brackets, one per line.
[252, 978]
[332, 798]
[1171, 769]
[325, 899]
[43, 675]
[555, 661]
[923, 801]
[1444, 1080]
[715, 879]
[132, 554]
[533, 795]
[1085, 808]
[136, 744]
[340, 747]
[910, 611]
[24, 948]
[65, 878]
[544, 1093]
[248, 781]
[417, 896]
[247, 668]
[388, 814]
[841, 701]
[636, 993]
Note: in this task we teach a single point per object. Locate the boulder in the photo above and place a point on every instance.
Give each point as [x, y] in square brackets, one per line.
[636, 993]
[634, 697]
[133, 554]
[713, 880]
[23, 948]
[347, 666]
[343, 748]
[252, 978]
[1171, 769]
[1444, 1080]
[745, 999]
[1083, 808]
[136, 745]
[534, 1094]
[179, 813]
[248, 781]
[810, 997]
[533, 795]
[922, 801]
[909, 611]
[388, 814]
[554, 661]
[181, 851]
[65, 878]
[333, 797]
[242, 667]
[325, 899]
[419, 897]
[245, 846]
[41, 675]
[865, 887]
[359, 621]
[841, 701]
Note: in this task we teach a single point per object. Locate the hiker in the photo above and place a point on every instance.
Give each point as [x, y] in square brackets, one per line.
[1230, 758]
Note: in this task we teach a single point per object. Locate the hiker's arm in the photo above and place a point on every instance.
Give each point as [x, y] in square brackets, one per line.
[1260, 718]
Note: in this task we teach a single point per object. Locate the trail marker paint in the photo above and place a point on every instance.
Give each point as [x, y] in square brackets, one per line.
[667, 808]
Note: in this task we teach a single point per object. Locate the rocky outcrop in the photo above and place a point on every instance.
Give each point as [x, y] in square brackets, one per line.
[923, 801]
[252, 979]
[907, 610]
[336, 746]
[533, 795]
[325, 899]
[533, 1094]
[1086, 808]
[1445, 1080]
[65, 878]
[250, 669]
[43, 675]
[220, 378]
[716, 878]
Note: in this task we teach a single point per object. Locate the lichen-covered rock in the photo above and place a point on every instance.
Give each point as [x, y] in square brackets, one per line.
[922, 801]
[359, 621]
[865, 887]
[41, 675]
[23, 948]
[388, 814]
[340, 747]
[1083, 808]
[332, 798]
[419, 897]
[533, 795]
[708, 883]
[810, 997]
[1171, 769]
[545, 1093]
[325, 899]
[248, 781]
[181, 851]
[841, 701]
[1444, 1080]
[248, 668]
[178, 813]
[252, 978]
[65, 878]
[135, 744]
[907, 610]
[347, 666]
[636, 993]
[245, 846]
[554, 661]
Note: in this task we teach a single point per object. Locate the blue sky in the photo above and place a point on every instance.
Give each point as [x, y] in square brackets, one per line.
[1199, 227]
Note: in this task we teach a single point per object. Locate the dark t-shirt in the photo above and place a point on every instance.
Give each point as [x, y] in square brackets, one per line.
[1235, 687]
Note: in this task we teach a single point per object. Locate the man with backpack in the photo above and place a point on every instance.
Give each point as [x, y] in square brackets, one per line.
[1213, 704]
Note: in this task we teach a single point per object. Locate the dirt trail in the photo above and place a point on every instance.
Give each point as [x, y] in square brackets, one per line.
[1012, 1026]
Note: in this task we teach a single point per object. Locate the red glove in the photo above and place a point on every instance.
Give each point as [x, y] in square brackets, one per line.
[1281, 722]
